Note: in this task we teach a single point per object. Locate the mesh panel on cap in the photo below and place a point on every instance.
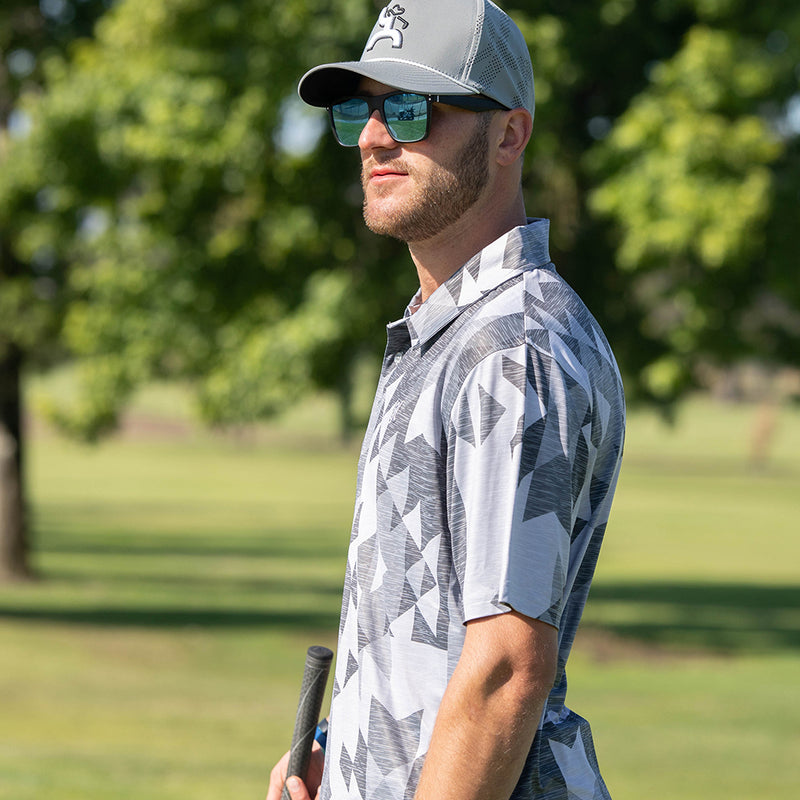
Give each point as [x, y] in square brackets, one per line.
[487, 65]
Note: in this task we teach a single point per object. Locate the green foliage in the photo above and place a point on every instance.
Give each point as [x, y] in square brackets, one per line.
[690, 174]
[24, 313]
[31, 281]
[261, 367]
[169, 207]
[689, 177]
[197, 246]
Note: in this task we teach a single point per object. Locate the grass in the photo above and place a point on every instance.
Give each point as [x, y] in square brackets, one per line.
[185, 575]
[688, 658]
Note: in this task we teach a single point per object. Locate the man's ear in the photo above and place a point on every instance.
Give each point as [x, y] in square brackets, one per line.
[514, 132]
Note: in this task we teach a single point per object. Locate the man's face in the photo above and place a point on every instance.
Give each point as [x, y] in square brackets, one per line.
[415, 191]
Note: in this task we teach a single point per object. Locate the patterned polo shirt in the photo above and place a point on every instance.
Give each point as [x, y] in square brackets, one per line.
[484, 484]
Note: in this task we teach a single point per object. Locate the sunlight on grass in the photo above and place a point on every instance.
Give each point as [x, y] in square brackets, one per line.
[186, 572]
[689, 504]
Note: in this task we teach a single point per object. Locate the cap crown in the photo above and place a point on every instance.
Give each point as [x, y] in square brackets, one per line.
[471, 43]
[435, 47]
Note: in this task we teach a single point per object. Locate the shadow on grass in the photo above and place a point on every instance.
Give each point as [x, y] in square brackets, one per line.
[728, 618]
[202, 579]
[717, 617]
[155, 618]
[270, 544]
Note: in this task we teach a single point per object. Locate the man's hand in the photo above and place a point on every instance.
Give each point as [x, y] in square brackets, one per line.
[297, 789]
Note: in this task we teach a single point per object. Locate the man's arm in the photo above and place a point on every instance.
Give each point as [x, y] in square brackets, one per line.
[490, 710]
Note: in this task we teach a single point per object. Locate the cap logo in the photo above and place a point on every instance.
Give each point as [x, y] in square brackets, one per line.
[390, 16]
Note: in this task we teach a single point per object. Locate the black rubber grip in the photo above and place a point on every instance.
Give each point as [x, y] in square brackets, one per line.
[315, 677]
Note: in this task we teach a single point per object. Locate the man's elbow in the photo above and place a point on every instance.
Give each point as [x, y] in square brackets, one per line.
[526, 663]
[533, 679]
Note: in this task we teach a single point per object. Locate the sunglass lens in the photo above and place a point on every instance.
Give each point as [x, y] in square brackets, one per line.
[406, 116]
[349, 118]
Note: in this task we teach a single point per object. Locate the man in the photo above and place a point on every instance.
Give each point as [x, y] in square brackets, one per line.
[492, 453]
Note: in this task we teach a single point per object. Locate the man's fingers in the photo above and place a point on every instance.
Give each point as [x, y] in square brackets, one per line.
[276, 778]
[297, 789]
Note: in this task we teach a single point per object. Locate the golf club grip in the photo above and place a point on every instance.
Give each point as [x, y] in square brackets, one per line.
[315, 676]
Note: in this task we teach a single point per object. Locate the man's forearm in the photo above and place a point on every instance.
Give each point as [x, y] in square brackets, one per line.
[490, 712]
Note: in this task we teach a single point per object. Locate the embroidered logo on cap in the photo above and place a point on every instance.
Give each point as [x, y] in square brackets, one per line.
[390, 16]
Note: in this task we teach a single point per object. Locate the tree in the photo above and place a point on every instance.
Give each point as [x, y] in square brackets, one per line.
[181, 222]
[700, 176]
[662, 125]
[178, 225]
[29, 305]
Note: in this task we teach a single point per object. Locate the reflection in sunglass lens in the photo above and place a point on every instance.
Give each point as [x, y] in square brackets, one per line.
[404, 114]
[349, 119]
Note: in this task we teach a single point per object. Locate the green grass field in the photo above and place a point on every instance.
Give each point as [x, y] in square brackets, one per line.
[185, 575]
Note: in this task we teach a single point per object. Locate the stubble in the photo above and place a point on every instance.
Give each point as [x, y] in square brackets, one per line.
[448, 192]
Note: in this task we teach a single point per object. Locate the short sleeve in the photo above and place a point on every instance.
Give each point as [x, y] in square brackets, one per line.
[513, 441]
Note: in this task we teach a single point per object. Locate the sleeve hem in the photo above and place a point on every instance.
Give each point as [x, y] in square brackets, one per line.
[488, 608]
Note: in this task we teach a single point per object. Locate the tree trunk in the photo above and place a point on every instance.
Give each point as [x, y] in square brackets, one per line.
[14, 544]
[762, 434]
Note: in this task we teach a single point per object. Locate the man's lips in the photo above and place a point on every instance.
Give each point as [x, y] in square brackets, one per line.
[380, 174]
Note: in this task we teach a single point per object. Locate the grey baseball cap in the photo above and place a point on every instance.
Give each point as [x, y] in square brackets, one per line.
[435, 47]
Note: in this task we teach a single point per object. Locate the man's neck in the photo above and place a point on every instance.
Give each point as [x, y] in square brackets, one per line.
[439, 257]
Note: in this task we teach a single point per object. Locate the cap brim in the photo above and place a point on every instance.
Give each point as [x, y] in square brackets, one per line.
[327, 83]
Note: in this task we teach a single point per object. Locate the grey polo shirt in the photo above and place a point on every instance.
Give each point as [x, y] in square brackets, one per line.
[484, 484]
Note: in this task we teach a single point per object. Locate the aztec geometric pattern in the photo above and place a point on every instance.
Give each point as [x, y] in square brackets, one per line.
[485, 484]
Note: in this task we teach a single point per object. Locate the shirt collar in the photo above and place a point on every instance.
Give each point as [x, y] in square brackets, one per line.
[522, 248]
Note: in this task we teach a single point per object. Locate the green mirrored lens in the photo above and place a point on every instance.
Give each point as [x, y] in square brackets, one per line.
[406, 116]
[349, 119]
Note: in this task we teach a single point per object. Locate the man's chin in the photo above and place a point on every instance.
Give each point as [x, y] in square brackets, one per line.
[406, 220]
[382, 219]
[383, 228]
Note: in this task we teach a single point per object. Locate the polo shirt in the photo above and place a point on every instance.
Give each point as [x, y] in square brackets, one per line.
[484, 484]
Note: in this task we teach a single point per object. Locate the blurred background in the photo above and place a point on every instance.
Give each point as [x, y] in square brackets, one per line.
[191, 320]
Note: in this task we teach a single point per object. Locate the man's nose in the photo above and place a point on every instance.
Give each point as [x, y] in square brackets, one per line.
[375, 134]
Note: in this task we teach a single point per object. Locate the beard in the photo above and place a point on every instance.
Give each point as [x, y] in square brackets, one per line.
[448, 191]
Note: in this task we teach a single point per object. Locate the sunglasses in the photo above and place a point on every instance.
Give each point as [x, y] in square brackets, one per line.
[406, 115]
